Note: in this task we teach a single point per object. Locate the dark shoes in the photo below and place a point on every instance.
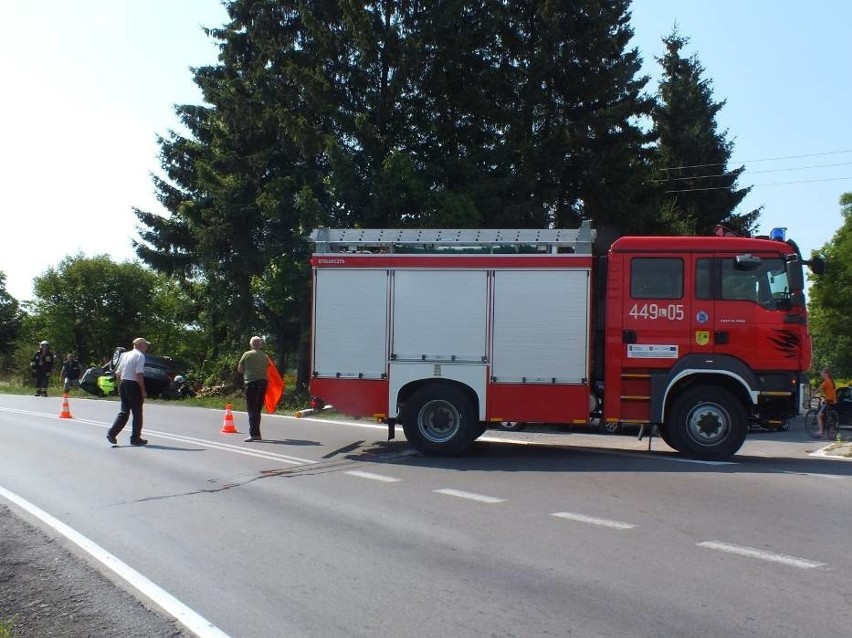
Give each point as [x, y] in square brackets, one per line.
[114, 441]
[253, 438]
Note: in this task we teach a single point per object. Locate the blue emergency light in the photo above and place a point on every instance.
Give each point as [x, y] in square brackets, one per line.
[779, 233]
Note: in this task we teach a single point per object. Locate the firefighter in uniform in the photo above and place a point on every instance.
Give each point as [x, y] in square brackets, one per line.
[42, 366]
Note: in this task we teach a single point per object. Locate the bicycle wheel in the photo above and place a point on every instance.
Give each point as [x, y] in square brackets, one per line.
[811, 423]
[831, 424]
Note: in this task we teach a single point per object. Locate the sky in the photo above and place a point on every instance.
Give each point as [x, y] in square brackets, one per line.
[90, 84]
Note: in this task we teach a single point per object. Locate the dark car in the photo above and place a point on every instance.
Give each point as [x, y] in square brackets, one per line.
[159, 372]
[844, 405]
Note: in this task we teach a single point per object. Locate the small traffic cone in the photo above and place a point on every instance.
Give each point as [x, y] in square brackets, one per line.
[228, 426]
[66, 411]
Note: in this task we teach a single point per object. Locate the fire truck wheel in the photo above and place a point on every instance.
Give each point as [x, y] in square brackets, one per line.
[663, 431]
[707, 423]
[440, 420]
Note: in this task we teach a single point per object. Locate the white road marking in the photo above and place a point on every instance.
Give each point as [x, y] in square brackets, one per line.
[292, 460]
[825, 476]
[751, 552]
[635, 453]
[229, 447]
[374, 477]
[591, 520]
[187, 617]
[679, 459]
[471, 496]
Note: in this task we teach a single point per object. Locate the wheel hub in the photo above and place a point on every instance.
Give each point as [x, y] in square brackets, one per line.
[438, 421]
[708, 424]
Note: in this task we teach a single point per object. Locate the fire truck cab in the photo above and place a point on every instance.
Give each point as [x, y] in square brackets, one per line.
[445, 331]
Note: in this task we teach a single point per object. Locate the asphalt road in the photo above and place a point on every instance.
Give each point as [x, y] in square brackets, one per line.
[327, 529]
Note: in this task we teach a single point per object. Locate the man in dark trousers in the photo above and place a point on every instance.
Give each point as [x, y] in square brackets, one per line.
[252, 366]
[71, 373]
[131, 390]
[42, 366]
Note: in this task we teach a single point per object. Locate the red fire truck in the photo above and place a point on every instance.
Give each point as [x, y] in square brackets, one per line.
[446, 331]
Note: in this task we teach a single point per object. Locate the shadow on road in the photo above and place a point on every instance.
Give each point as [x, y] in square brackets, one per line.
[790, 451]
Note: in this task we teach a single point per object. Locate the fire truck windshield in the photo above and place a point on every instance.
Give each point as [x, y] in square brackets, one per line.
[765, 284]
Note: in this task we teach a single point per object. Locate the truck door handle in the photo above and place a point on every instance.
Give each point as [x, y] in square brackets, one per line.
[721, 337]
[628, 336]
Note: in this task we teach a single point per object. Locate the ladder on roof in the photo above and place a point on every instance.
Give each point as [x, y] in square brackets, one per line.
[336, 240]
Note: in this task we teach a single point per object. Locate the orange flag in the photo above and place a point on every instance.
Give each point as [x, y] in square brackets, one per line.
[274, 387]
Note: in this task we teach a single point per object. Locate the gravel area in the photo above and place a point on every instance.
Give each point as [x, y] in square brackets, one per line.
[46, 590]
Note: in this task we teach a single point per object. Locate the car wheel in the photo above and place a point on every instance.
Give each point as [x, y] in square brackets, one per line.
[609, 427]
[512, 426]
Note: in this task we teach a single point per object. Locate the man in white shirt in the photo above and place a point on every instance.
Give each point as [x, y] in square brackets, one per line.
[129, 374]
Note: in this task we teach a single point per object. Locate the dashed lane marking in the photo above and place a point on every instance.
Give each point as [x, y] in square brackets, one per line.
[471, 496]
[592, 520]
[372, 476]
[751, 552]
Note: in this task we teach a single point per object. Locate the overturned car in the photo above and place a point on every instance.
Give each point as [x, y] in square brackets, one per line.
[159, 376]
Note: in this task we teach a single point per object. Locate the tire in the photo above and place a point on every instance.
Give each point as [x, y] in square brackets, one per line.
[708, 423]
[811, 423]
[512, 426]
[609, 427]
[440, 420]
[831, 424]
[663, 432]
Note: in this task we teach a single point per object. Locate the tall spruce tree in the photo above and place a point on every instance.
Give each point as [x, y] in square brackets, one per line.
[248, 183]
[574, 113]
[698, 190]
[390, 113]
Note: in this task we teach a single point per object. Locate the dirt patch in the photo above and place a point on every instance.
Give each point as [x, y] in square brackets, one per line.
[46, 590]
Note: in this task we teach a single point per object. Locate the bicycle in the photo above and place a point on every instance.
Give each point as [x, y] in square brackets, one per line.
[831, 421]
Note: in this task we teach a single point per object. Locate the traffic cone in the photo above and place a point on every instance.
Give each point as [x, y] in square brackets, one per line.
[228, 426]
[66, 411]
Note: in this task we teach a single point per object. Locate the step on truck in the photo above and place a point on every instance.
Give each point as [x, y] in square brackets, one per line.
[447, 331]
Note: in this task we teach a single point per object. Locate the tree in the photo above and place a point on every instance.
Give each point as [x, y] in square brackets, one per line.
[389, 113]
[698, 191]
[11, 317]
[90, 305]
[248, 184]
[831, 300]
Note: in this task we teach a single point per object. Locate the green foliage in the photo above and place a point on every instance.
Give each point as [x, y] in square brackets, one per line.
[831, 300]
[697, 189]
[11, 320]
[90, 306]
[388, 114]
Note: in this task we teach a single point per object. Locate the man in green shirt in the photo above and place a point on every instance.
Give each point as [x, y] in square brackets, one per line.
[252, 366]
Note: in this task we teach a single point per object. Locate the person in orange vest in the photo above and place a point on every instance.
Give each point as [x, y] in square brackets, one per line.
[252, 365]
[42, 366]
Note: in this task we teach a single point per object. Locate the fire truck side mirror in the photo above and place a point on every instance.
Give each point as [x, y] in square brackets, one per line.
[817, 265]
[795, 275]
